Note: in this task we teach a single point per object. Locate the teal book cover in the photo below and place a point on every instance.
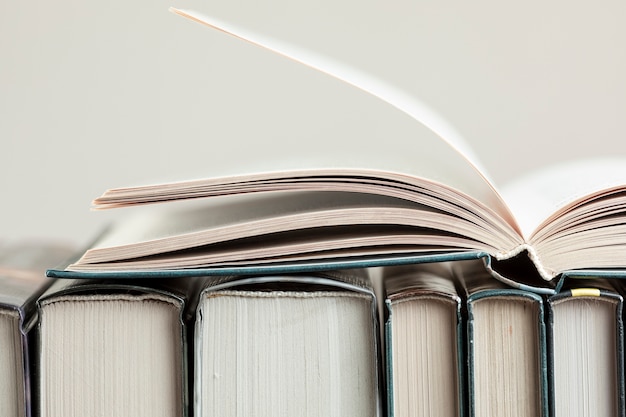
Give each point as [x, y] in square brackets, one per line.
[585, 334]
[506, 347]
[424, 342]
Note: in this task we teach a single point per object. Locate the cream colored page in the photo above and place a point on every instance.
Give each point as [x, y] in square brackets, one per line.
[391, 131]
[159, 224]
[350, 75]
[538, 196]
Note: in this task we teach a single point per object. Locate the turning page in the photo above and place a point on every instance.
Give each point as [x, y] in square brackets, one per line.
[429, 149]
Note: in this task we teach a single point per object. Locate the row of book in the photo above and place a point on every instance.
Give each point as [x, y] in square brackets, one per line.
[440, 339]
[244, 299]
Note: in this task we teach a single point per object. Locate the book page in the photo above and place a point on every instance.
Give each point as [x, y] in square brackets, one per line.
[538, 196]
[409, 137]
[383, 221]
[404, 102]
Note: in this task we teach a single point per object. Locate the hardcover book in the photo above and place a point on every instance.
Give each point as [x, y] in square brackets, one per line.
[22, 280]
[417, 195]
[424, 353]
[113, 348]
[586, 339]
[506, 347]
[302, 345]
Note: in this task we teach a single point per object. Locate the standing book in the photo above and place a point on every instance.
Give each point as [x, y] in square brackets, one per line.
[423, 342]
[506, 347]
[112, 348]
[287, 345]
[22, 280]
[586, 341]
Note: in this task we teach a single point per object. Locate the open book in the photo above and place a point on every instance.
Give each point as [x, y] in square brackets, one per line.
[418, 193]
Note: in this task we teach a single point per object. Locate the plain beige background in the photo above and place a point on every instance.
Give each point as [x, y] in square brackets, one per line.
[101, 94]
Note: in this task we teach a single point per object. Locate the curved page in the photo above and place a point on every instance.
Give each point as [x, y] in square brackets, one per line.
[358, 221]
[543, 196]
[429, 149]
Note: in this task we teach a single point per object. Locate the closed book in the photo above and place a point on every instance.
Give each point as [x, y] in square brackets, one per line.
[585, 337]
[506, 347]
[22, 280]
[111, 348]
[285, 346]
[423, 341]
